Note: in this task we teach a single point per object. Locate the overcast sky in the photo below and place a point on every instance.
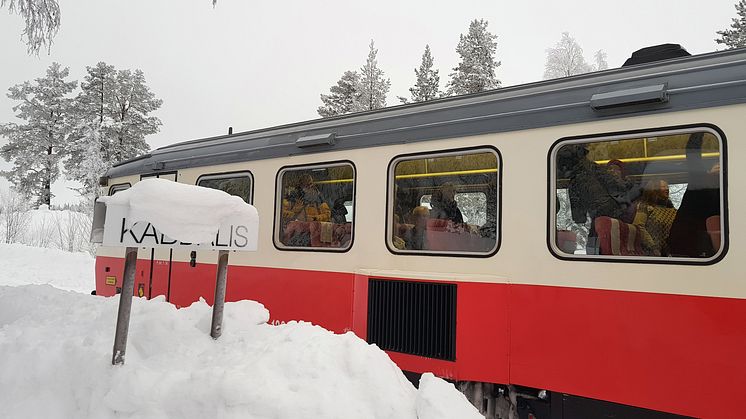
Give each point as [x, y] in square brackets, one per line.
[257, 64]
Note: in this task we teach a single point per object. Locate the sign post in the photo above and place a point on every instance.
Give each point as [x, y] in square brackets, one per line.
[125, 307]
[216, 329]
[113, 226]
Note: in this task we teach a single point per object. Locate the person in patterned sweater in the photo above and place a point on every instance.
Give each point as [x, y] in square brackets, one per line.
[654, 217]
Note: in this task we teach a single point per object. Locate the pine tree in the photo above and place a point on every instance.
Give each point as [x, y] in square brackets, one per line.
[112, 122]
[566, 59]
[37, 146]
[373, 87]
[132, 101]
[427, 86]
[343, 97]
[476, 71]
[91, 151]
[736, 36]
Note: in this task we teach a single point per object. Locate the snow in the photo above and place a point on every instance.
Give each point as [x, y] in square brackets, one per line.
[183, 212]
[55, 358]
[21, 264]
[437, 400]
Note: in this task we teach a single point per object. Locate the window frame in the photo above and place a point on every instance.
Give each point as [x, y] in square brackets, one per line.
[118, 187]
[230, 175]
[276, 222]
[158, 175]
[388, 231]
[628, 135]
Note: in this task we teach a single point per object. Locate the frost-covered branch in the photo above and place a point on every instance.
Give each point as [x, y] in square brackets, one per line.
[42, 21]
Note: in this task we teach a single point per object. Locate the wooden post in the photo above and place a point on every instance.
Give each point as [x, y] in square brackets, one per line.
[217, 309]
[125, 307]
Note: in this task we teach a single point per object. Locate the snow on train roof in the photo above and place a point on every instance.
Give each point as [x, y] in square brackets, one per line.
[699, 81]
[183, 212]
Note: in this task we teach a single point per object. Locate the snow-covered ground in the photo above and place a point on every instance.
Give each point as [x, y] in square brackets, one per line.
[21, 265]
[55, 358]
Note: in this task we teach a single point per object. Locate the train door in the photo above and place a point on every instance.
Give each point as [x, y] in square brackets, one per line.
[191, 279]
[153, 276]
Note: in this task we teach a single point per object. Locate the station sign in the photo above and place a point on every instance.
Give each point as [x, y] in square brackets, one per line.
[114, 226]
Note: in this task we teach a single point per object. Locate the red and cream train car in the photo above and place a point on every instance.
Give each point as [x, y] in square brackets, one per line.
[477, 237]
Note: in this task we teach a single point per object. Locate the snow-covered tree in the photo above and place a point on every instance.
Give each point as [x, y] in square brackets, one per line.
[14, 216]
[373, 86]
[735, 37]
[343, 97]
[91, 153]
[37, 146]
[42, 21]
[132, 101]
[427, 86]
[601, 63]
[566, 59]
[476, 71]
[87, 162]
[112, 122]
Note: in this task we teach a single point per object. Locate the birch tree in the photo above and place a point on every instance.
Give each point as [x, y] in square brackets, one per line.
[565, 59]
[42, 19]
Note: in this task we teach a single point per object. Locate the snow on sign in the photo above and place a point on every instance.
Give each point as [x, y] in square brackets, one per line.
[162, 213]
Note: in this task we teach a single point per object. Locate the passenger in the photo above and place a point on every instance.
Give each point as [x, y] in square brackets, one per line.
[444, 204]
[654, 217]
[416, 238]
[489, 229]
[618, 172]
[688, 236]
[593, 190]
[339, 211]
[304, 203]
[398, 242]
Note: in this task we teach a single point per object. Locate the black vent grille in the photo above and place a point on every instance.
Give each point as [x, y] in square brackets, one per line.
[417, 318]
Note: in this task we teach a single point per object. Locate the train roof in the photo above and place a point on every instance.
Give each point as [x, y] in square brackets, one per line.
[699, 81]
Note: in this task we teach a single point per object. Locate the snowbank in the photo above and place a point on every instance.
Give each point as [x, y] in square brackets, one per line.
[55, 362]
[183, 212]
[57, 229]
[21, 265]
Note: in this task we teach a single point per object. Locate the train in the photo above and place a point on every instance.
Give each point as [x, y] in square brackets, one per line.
[478, 237]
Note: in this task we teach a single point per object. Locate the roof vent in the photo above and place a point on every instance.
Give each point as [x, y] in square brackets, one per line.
[656, 53]
[656, 94]
[315, 140]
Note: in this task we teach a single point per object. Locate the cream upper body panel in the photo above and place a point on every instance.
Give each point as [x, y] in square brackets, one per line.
[523, 256]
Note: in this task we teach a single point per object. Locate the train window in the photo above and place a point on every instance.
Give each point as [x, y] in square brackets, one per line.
[238, 184]
[654, 196]
[118, 188]
[167, 176]
[444, 203]
[315, 207]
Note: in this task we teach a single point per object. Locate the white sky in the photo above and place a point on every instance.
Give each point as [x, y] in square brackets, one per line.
[257, 64]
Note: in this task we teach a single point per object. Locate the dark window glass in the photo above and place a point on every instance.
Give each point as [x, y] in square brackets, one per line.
[316, 205]
[234, 184]
[445, 203]
[655, 196]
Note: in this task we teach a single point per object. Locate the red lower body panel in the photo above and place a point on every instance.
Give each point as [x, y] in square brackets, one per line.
[672, 353]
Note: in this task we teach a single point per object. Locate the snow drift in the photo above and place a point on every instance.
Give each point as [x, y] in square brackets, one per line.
[55, 354]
